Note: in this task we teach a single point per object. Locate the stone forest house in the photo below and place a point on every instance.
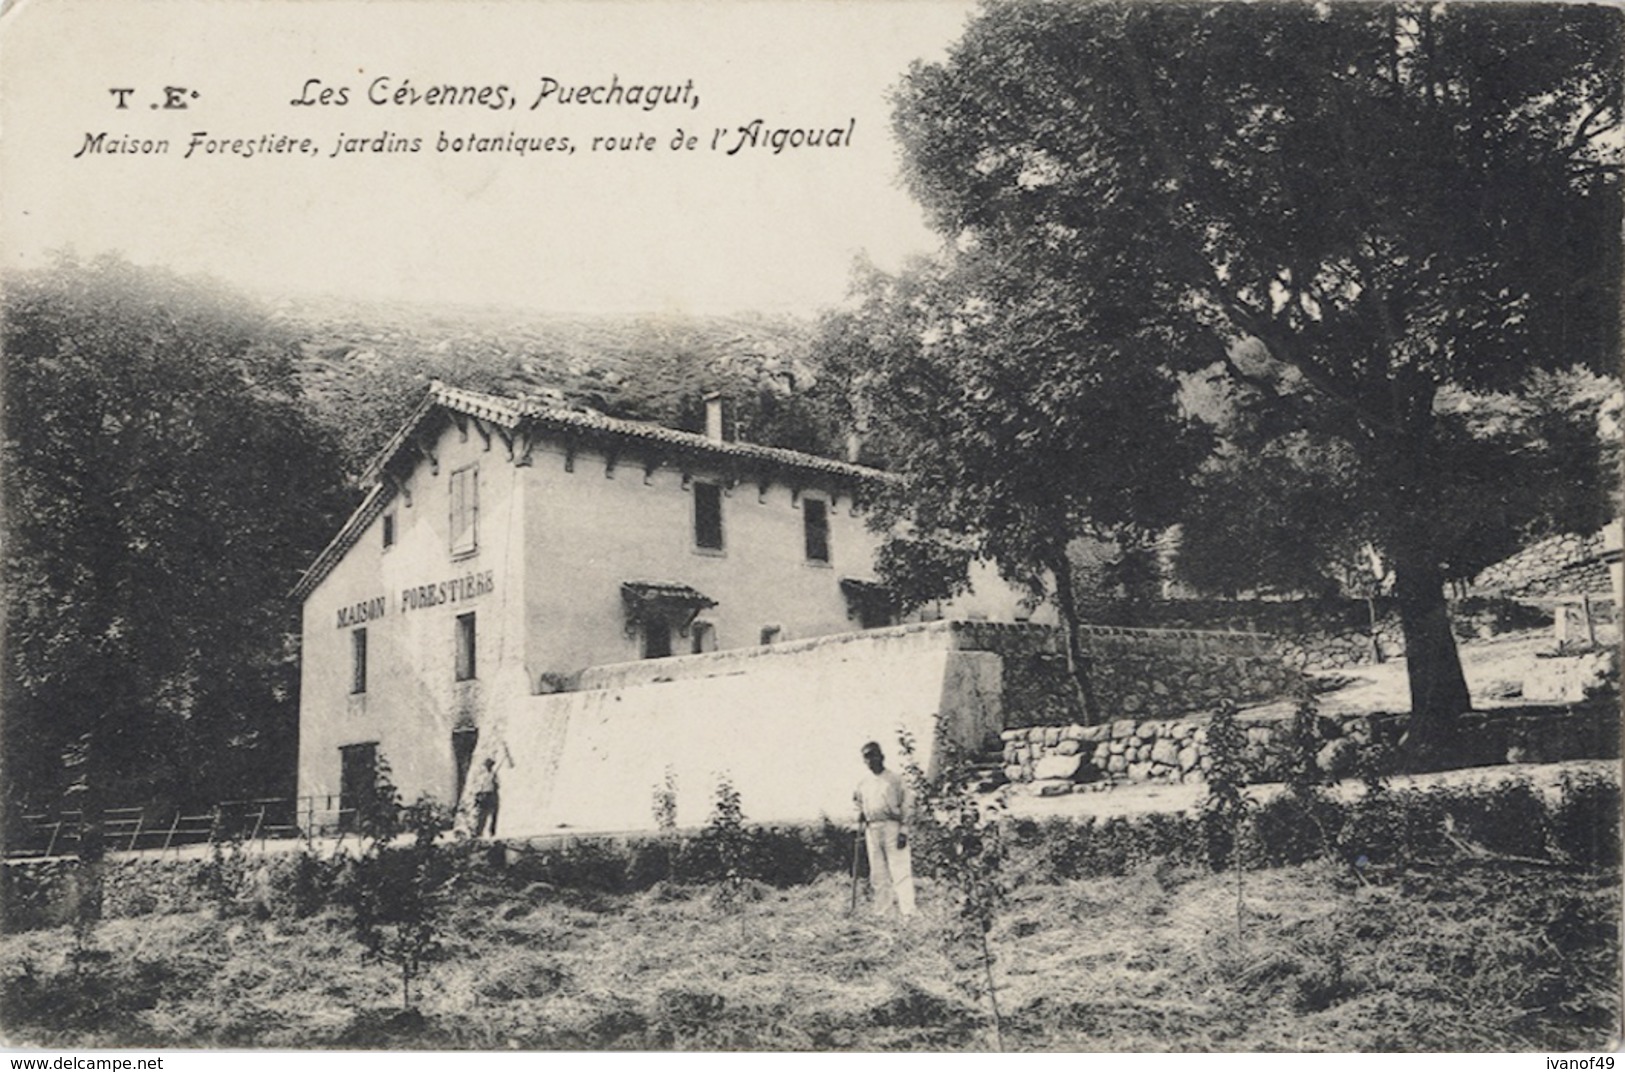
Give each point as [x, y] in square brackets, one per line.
[595, 603]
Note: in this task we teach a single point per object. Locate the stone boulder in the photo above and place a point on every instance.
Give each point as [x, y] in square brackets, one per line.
[1057, 766]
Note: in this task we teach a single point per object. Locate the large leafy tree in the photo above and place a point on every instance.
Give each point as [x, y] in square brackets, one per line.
[163, 489]
[1292, 513]
[1016, 418]
[1386, 201]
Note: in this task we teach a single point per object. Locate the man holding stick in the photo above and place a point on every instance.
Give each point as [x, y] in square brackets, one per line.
[883, 804]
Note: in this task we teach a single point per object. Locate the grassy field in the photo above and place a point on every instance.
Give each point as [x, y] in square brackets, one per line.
[1474, 956]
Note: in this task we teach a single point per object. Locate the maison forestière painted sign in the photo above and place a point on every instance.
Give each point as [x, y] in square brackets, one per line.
[419, 597]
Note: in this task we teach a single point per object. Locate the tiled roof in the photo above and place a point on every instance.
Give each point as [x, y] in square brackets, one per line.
[859, 588]
[647, 591]
[514, 413]
[378, 496]
[517, 414]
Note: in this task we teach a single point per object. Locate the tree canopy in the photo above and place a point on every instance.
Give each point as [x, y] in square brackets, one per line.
[1297, 514]
[1017, 417]
[164, 488]
[1350, 208]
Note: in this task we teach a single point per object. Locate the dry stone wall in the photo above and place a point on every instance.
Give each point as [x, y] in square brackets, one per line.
[1056, 759]
[1339, 649]
[1147, 673]
[1567, 564]
[1309, 634]
[1052, 760]
[1336, 633]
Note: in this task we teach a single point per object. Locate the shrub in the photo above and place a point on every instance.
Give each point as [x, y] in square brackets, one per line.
[663, 802]
[1292, 830]
[1226, 805]
[398, 893]
[787, 856]
[1060, 849]
[965, 850]
[779, 856]
[1302, 823]
[1390, 827]
[1508, 818]
[721, 853]
[1585, 822]
[300, 884]
[588, 865]
[225, 877]
[650, 862]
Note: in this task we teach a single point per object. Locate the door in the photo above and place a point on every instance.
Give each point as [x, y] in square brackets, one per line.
[358, 781]
[462, 753]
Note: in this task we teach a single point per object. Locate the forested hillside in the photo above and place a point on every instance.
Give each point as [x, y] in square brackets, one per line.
[363, 366]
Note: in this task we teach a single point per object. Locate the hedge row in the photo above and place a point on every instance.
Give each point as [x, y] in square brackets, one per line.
[1512, 821]
[1581, 828]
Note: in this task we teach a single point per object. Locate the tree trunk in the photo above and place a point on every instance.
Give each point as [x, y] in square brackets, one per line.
[992, 994]
[1408, 462]
[1432, 664]
[1079, 666]
[1371, 617]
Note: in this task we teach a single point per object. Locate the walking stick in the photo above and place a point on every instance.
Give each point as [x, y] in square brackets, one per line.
[857, 836]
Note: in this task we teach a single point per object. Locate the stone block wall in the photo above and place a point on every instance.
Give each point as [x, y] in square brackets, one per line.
[1310, 634]
[1335, 634]
[1052, 760]
[1341, 648]
[1566, 564]
[1148, 673]
[1057, 758]
[1164, 673]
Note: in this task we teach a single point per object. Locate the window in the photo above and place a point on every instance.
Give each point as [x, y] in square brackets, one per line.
[708, 516]
[771, 634]
[704, 637]
[465, 647]
[358, 660]
[815, 526]
[465, 510]
[389, 530]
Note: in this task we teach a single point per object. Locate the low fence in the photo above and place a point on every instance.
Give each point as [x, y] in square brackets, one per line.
[156, 829]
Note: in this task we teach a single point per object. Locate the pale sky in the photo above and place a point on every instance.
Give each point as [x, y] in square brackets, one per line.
[670, 231]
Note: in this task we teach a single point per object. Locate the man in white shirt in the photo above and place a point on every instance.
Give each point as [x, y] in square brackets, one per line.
[486, 800]
[884, 807]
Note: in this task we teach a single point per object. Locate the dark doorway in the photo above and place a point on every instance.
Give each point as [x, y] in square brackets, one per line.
[462, 752]
[358, 782]
[656, 639]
